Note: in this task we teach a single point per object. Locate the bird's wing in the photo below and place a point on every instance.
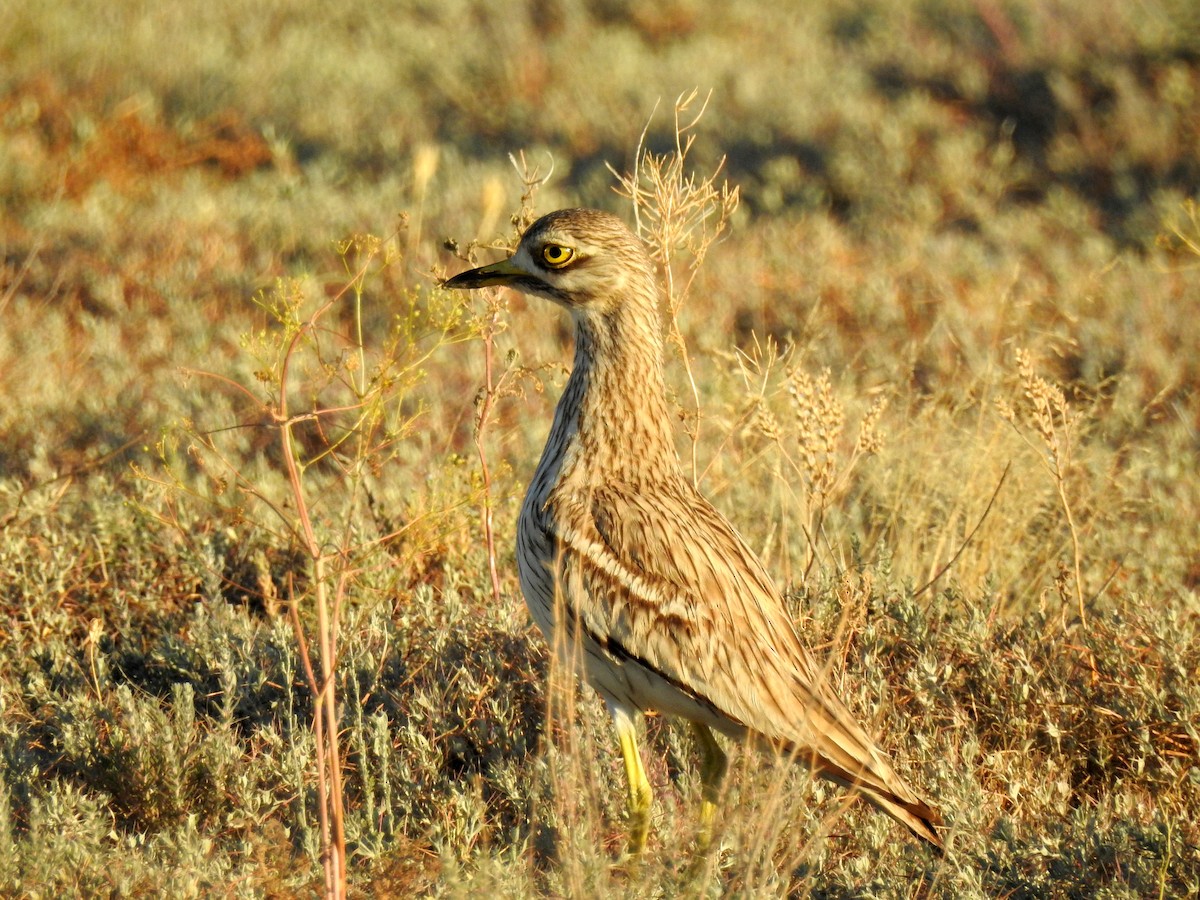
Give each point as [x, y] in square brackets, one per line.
[665, 576]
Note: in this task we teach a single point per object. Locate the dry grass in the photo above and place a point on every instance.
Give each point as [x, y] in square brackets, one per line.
[940, 369]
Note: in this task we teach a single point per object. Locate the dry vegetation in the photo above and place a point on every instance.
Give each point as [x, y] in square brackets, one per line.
[942, 369]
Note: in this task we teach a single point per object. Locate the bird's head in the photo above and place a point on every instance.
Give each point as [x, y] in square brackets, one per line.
[583, 259]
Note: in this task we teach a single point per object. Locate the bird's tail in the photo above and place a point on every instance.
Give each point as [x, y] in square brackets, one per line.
[874, 778]
[916, 815]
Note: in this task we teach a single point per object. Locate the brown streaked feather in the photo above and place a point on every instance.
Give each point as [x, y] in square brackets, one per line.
[672, 583]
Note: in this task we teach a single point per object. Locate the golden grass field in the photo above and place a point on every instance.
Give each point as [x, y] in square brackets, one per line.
[941, 368]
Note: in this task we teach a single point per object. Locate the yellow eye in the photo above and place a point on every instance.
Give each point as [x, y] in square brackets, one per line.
[556, 255]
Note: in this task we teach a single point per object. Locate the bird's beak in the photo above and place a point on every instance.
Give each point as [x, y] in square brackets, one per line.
[503, 272]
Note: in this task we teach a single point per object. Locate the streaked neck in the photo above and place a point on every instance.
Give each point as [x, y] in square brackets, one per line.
[614, 410]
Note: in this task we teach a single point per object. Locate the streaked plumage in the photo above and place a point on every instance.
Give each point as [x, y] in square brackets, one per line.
[620, 556]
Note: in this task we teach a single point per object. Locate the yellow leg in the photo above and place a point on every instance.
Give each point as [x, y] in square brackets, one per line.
[713, 764]
[640, 794]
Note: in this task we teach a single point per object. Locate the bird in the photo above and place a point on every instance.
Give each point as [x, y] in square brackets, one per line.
[623, 562]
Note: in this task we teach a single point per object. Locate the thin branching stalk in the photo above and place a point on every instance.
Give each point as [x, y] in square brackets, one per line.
[496, 387]
[326, 726]
[676, 212]
[1076, 550]
[486, 400]
[332, 863]
[325, 722]
[1043, 409]
[967, 540]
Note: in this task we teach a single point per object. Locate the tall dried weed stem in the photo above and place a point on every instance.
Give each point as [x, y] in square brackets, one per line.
[820, 456]
[1048, 425]
[805, 421]
[506, 383]
[680, 215]
[334, 401]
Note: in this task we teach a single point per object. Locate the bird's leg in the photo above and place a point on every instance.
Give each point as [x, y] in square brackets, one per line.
[640, 794]
[713, 764]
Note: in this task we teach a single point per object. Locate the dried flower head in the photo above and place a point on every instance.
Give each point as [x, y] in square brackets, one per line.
[820, 421]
